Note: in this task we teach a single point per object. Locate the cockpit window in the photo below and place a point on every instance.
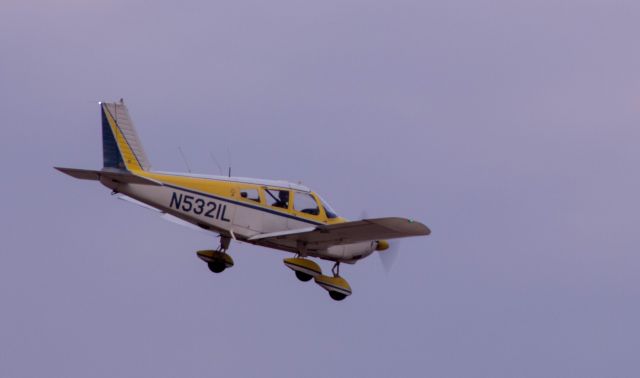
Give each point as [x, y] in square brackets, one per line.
[305, 203]
[250, 194]
[327, 208]
[277, 198]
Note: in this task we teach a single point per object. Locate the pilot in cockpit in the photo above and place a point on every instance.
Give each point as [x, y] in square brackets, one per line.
[283, 199]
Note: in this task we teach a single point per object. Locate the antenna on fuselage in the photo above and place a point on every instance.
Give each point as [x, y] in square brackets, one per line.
[229, 159]
[213, 158]
[184, 158]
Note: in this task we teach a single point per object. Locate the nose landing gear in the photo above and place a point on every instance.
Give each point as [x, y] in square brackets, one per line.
[337, 286]
[306, 269]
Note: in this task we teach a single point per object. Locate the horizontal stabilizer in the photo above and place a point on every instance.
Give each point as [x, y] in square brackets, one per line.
[118, 176]
[348, 232]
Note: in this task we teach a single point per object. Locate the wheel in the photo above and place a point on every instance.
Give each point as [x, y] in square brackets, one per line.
[304, 277]
[337, 296]
[216, 266]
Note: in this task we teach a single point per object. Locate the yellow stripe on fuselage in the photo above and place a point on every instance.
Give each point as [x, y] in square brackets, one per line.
[230, 190]
[129, 158]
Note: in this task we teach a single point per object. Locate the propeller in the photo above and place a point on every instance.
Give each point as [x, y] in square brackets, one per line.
[388, 256]
[387, 251]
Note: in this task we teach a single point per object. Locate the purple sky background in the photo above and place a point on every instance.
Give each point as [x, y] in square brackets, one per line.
[510, 128]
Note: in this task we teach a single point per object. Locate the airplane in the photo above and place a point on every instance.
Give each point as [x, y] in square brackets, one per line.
[275, 214]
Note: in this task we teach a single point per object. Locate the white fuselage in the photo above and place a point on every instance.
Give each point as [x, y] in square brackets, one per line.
[235, 219]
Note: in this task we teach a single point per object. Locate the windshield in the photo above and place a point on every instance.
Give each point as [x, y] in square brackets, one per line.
[327, 208]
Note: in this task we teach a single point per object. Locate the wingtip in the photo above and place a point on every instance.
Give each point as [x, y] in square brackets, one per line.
[425, 231]
[422, 228]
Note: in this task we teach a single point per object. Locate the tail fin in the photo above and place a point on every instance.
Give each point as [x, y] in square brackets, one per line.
[121, 146]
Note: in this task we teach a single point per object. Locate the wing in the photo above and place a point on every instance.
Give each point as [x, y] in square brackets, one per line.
[321, 237]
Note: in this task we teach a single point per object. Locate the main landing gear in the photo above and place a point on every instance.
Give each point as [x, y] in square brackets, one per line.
[306, 269]
[217, 260]
[338, 288]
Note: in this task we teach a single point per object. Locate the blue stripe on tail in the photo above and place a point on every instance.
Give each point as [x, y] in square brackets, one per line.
[110, 152]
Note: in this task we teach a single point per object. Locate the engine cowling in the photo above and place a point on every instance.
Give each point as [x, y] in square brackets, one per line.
[352, 252]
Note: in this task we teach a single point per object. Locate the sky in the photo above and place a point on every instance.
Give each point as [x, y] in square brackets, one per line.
[510, 128]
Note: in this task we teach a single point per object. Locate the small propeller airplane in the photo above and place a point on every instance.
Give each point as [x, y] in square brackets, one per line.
[275, 214]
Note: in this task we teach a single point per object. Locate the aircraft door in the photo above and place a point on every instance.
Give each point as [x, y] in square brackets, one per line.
[247, 216]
